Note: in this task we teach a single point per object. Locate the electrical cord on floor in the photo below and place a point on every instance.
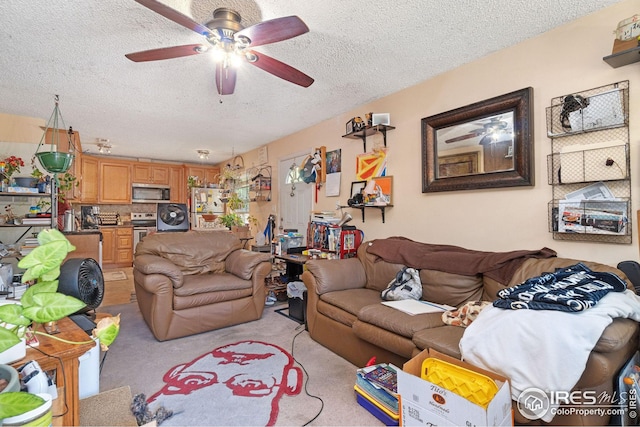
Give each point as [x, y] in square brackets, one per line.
[293, 341]
[102, 361]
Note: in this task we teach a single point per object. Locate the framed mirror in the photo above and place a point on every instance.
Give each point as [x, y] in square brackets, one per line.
[488, 144]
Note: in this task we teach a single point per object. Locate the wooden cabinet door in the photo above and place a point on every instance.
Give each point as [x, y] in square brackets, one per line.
[124, 246]
[178, 184]
[206, 174]
[211, 176]
[115, 182]
[89, 178]
[108, 245]
[149, 173]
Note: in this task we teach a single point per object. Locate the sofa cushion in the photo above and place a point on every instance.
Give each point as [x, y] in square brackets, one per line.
[378, 273]
[210, 288]
[444, 339]
[242, 262]
[397, 321]
[194, 252]
[344, 306]
[448, 288]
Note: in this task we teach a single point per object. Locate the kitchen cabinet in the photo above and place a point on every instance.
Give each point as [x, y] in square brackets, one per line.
[150, 173]
[207, 174]
[115, 182]
[177, 184]
[117, 246]
[89, 178]
[124, 246]
[108, 245]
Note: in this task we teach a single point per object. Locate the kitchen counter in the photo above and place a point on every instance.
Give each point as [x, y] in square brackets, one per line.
[85, 231]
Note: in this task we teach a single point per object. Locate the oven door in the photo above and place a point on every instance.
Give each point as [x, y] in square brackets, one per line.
[139, 233]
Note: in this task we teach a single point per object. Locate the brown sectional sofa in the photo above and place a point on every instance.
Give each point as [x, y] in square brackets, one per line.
[345, 314]
[192, 282]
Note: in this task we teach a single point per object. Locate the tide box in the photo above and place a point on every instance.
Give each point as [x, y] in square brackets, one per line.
[423, 403]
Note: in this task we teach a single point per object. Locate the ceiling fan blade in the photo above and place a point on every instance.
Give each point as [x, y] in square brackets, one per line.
[175, 16]
[225, 79]
[471, 134]
[166, 53]
[274, 30]
[282, 70]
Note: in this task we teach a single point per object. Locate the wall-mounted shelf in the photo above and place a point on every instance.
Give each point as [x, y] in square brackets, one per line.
[589, 167]
[363, 207]
[623, 58]
[369, 131]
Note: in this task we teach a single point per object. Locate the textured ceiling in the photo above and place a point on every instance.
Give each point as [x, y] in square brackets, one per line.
[357, 51]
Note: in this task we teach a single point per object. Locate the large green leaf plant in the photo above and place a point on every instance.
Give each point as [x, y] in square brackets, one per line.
[41, 303]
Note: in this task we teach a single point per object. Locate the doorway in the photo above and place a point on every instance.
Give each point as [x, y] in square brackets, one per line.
[296, 196]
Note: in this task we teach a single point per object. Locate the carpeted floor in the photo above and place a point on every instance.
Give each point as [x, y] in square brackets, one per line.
[139, 361]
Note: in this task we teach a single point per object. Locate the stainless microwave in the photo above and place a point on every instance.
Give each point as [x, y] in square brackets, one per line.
[150, 193]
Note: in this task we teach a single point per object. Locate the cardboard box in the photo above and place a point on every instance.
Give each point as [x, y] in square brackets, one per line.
[423, 403]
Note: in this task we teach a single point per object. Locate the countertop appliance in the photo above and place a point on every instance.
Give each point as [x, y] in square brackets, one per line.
[205, 207]
[144, 223]
[89, 217]
[150, 193]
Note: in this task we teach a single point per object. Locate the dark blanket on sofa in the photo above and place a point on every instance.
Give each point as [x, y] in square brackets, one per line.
[499, 266]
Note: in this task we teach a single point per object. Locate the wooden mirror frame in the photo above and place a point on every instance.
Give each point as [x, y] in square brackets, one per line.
[522, 174]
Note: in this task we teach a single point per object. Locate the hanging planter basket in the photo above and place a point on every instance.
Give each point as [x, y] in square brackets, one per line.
[55, 161]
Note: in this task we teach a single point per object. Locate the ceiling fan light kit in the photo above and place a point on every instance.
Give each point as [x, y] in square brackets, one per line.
[231, 44]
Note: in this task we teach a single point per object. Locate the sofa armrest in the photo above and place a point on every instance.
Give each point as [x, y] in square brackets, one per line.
[616, 335]
[154, 264]
[242, 262]
[335, 274]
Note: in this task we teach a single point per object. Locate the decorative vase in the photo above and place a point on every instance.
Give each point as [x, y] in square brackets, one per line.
[14, 353]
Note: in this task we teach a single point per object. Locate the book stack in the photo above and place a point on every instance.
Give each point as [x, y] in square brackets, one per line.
[28, 245]
[376, 390]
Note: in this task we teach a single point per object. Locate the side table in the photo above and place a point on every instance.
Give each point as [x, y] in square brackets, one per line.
[63, 358]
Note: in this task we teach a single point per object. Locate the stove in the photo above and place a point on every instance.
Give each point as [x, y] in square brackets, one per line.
[143, 219]
[143, 223]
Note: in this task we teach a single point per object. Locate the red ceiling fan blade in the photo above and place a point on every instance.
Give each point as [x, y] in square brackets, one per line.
[166, 53]
[175, 16]
[225, 79]
[274, 30]
[282, 70]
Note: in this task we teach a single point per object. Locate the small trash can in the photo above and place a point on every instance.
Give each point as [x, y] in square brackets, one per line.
[296, 291]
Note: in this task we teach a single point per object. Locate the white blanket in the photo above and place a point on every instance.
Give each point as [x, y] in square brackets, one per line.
[542, 348]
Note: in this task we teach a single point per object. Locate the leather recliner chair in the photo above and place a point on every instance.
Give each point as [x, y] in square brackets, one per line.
[193, 282]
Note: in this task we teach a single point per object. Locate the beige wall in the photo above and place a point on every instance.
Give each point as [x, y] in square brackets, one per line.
[565, 60]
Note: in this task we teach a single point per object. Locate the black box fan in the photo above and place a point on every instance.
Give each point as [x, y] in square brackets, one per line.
[82, 278]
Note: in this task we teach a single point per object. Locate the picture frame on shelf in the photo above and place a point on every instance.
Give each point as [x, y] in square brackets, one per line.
[379, 191]
[356, 195]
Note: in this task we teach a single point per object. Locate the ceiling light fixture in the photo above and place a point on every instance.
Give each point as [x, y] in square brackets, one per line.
[203, 154]
[103, 146]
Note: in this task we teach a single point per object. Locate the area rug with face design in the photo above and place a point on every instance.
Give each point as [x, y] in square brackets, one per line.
[237, 384]
[265, 372]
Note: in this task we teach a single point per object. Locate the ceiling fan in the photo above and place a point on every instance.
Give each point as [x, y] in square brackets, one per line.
[493, 126]
[230, 43]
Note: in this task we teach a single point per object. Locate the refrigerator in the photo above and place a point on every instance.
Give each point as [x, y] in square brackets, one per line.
[205, 207]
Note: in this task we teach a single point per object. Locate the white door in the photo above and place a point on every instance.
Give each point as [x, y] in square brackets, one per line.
[296, 197]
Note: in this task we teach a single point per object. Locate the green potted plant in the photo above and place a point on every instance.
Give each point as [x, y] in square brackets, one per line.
[231, 220]
[41, 303]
